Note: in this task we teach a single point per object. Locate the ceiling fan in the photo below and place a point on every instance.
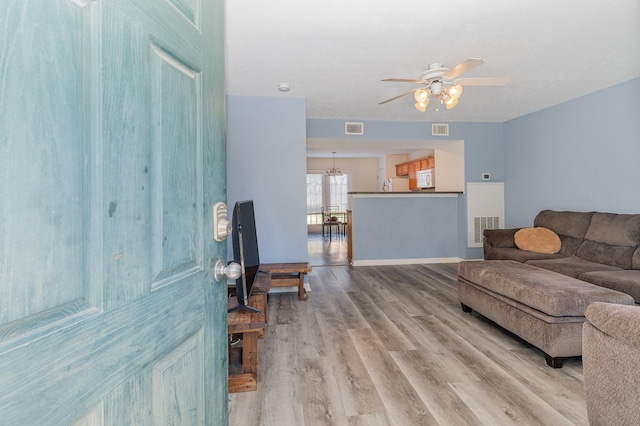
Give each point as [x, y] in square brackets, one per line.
[440, 82]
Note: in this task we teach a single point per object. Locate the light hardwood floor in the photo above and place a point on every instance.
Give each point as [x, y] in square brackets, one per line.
[324, 252]
[391, 346]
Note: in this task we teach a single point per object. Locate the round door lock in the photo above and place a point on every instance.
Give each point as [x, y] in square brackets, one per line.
[224, 228]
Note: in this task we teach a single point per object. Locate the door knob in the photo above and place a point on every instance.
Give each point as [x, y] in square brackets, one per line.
[232, 270]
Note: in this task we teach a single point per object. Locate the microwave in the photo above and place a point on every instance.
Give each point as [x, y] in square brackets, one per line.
[425, 179]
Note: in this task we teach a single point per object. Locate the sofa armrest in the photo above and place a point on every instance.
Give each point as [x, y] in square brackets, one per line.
[621, 322]
[499, 238]
[610, 353]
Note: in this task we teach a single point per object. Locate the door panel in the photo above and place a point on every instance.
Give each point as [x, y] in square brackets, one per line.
[39, 222]
[112, 148]
[178, 384]
[177, 194]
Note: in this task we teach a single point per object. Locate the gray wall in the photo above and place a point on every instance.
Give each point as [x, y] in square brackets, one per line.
[581, 155]
[266, 151]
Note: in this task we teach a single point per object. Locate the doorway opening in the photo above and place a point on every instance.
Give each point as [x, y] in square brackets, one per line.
[327, 198]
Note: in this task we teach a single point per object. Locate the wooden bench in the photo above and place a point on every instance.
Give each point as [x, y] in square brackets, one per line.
[288, 275]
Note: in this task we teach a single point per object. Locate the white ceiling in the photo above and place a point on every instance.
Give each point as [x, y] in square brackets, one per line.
[333, 53]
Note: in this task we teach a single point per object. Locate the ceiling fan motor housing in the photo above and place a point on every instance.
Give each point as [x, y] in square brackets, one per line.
[434, 72]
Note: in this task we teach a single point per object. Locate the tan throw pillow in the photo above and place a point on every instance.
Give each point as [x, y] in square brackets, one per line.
[539, 240]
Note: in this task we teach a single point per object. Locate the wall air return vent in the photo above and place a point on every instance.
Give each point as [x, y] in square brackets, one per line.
[354, 128]
[439, 129]
[485, 209]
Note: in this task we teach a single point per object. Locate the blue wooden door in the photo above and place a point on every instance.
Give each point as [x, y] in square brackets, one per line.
[111, 158]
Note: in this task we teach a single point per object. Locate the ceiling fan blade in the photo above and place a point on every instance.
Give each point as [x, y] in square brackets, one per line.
[404, 80]
[463, 67]
[408, 92]
[483, 81]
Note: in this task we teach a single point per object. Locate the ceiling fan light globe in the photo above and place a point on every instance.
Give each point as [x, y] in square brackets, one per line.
[450, 103]
[454, 91]
[421, 106]
[422, 95]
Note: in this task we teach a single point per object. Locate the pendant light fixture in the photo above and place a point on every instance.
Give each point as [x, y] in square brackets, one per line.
[334, 171]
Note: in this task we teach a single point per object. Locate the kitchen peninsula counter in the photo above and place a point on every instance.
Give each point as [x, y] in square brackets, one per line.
[395, 228]
[407, 193]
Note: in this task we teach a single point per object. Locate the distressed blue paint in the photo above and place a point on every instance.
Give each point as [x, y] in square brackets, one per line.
[81, 323]
[41, 151]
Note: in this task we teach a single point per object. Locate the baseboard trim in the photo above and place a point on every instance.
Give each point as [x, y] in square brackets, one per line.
[389, 262]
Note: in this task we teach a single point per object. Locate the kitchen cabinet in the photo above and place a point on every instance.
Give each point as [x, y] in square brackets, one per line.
[413, 181]
[431, 162]
[402, 169]
[427, 163]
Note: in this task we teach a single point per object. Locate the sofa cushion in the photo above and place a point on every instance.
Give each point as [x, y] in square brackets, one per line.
[611, 239]
[618, 256]
[518, 255]
[571, 266]
[569, 224]
[615, 229]
[538, 240]
[626, 281]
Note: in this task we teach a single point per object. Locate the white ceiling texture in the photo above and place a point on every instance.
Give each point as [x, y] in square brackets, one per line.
[334, 53]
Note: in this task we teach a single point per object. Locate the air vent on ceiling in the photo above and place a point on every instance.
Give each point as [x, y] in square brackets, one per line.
[354, 128]
[440, 129]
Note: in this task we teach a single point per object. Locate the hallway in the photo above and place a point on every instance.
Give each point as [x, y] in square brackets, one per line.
[323, 252]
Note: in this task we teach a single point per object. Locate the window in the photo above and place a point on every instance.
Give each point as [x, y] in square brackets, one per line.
[338, 188]
[325, 191]
[314, 198]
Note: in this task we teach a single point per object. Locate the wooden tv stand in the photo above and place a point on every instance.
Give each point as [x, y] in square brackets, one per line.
[251, 326]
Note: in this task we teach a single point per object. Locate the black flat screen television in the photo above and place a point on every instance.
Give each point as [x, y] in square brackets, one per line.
[245, 252]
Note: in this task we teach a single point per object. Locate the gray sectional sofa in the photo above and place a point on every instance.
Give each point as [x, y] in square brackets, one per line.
[542, 297]
[599, 248]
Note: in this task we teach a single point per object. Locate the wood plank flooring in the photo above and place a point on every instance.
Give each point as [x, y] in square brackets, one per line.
[322, 251]
[390, 345]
